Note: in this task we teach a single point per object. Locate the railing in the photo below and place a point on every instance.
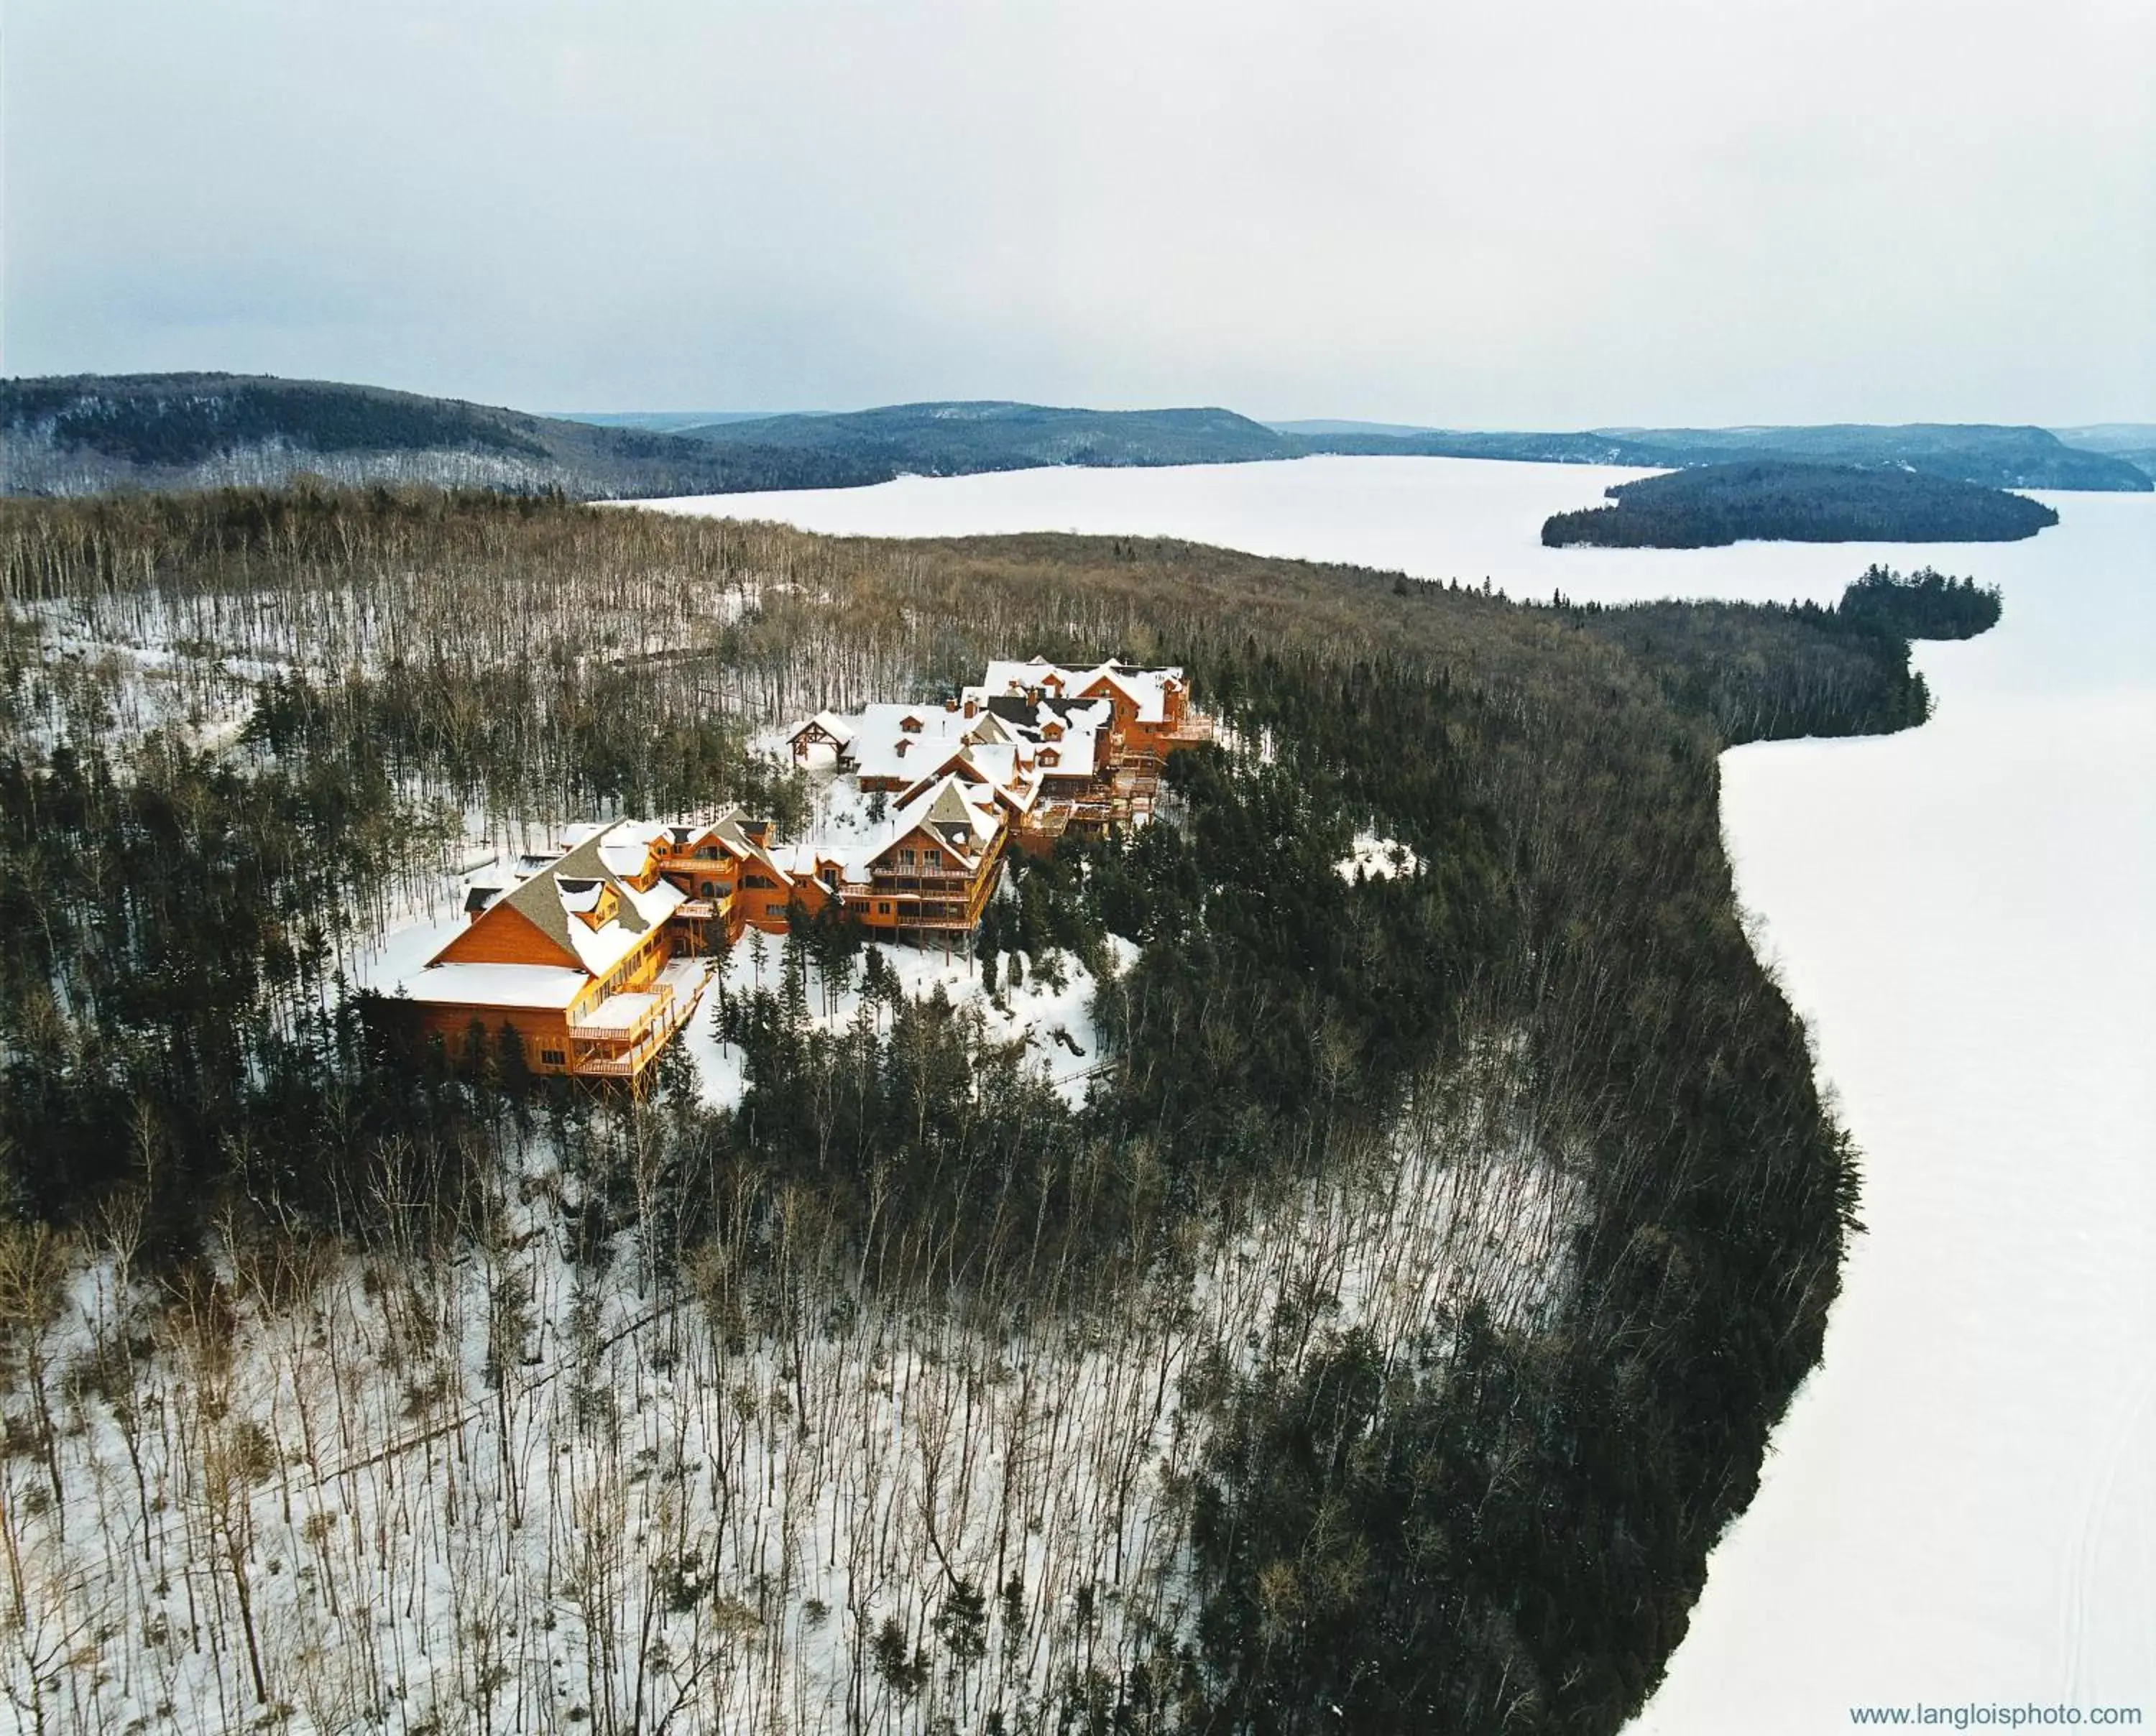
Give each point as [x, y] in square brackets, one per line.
[622, 1052]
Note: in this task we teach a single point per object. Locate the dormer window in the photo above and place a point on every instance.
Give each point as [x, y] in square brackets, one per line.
[900, 749]
[1048, 756]
[910, 724]
[1053, 731]
[590, 902]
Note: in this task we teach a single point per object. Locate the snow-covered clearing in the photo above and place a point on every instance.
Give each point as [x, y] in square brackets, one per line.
[1049, 1011]
[1372, 857]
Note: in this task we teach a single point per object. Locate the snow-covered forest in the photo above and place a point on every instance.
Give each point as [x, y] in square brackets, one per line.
[1379, 1330]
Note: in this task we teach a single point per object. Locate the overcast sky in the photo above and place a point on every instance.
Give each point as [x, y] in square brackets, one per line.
[1505, 213]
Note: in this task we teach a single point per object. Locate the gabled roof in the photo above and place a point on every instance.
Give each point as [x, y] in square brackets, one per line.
[552, 900]
[1081, 722]
[680, 836]
[830, 723]
[1003, 771]
[1145, 689]
[880, 746]
[965, 822]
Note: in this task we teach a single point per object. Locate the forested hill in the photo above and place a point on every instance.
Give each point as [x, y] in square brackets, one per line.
[1981, 453]
[950, 439]
[954, 439]
[1780, 502]
[87, 433]
[1388, 1332]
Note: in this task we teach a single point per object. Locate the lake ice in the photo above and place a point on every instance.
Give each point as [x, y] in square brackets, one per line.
[1961, 1505]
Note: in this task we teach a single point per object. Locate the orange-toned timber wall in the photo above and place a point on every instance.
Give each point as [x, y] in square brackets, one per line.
[539, 1029]
[764, 907]
[505, 935]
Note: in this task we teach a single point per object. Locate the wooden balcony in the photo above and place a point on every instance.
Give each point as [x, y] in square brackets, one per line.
[617, 1038]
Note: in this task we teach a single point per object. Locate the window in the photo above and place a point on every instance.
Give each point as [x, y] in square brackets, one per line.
[905, 858]
[883, 908]
[552, 1058]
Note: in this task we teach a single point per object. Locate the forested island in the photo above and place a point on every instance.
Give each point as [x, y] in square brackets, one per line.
[1379, 1341]
[1780, 502]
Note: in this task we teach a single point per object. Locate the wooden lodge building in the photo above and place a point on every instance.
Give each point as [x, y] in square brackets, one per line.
[598, 956]
[1086, 745]
[594, 961]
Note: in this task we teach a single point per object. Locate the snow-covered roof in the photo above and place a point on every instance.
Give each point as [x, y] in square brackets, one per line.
[965, 819]
[555, 899]
[1147, 689]
[625, 857]
[831, 724]
[886, 741]
[891, 742]
[1072, 727]
[680, 835]
[580, 898]
[526, 985]
[618, 1013]
[1006, 768]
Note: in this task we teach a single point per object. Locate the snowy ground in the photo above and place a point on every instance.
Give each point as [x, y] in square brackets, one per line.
[1372, 857]
[484, 1490]
[1056, 1023]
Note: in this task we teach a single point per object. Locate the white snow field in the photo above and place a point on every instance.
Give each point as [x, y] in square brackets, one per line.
[1961, 1505]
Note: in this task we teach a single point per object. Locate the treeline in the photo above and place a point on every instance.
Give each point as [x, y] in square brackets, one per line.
[1925, 605]
[85, 433]
[1501, 1525]
[73, 435]
[1778, 501]
[1764, 671]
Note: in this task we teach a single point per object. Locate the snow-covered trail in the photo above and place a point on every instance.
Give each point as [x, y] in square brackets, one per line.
[1962, 1503]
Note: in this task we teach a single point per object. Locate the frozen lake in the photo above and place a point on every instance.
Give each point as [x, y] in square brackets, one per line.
[1961, 1506]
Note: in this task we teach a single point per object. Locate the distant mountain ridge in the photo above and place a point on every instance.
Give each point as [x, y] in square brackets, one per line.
[1989, 454]
[954, 438]
[947, 438]
[2135, 442]
[87, 433]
